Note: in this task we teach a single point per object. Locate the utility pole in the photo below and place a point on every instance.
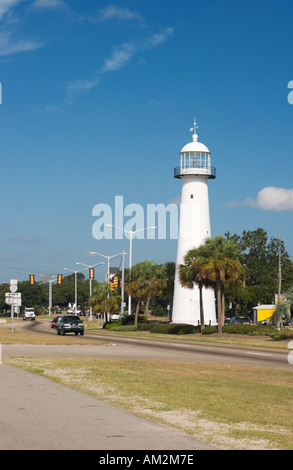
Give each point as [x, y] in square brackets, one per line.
[122, 287]
[280, 272]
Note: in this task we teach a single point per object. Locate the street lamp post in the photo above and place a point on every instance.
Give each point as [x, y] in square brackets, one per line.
[122, 287]
[50, 294]
[93, 266]
[131, 233]
[75, 277]
[108, 258]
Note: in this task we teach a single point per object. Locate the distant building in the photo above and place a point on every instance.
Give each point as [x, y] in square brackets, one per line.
[113, 272]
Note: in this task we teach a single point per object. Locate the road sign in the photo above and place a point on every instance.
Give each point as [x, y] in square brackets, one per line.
[45, 278]
[13, 296]
[13, 285]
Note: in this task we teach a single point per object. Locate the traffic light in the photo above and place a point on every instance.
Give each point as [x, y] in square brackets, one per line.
[32, 279]
[115, 282]
[121, 284]
[59, 278]
[112, 286]
[92, 273]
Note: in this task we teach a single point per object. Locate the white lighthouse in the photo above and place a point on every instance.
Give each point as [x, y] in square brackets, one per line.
[194, 227]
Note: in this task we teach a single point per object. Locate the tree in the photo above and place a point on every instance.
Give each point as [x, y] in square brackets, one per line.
[137, 289]
[104, 300]
[151, 280]
[215, 263]
[261, 259]
[192, 272]
[283, 308]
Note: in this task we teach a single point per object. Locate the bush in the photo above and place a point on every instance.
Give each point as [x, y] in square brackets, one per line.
[174, 329]
[209, 330]
[253, 330]
[189, 330]
[129, 319]
[117, 327]
[160, 328]
[144, 327]
[110, 325]
[282, 335]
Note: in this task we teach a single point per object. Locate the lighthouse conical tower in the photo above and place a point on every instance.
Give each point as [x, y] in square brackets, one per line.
[194, 227]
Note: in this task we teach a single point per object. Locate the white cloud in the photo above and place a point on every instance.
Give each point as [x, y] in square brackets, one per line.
[49, 109]
[119, 58]
[159, 38]
[79, 86]
[270, 198]
[25, 239]
[48, 4]
[124, 53]
[9, 45]
[6, 6]
[114, 12]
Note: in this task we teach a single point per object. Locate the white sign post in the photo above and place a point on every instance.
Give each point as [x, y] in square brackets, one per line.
[13, 289]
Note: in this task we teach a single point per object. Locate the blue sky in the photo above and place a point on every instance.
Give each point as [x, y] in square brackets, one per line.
[98, 99]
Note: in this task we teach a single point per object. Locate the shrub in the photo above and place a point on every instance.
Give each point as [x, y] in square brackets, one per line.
[282, 335]
[253, 330]
[144, 327]
[160, 328]
[110, 325]
[174, 329]
[129, 319]
[117, 327]
[189, 330]
[209, 330]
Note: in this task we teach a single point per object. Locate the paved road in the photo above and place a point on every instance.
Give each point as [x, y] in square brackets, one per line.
[167, 350]
[37, 413]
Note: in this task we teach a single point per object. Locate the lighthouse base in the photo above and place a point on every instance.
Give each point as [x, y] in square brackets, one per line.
[186, 306]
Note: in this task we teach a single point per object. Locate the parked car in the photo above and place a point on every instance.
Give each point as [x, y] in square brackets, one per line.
[240, 320]
[54, 322]
[70, 324]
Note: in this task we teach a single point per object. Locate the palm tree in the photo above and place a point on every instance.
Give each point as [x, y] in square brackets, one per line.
[215, 263]
[154, 277]
[137, 289]
[104, 300]
[283, 308]
[192, 272]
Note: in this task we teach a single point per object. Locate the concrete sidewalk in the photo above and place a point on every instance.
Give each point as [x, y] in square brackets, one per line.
[37, 413]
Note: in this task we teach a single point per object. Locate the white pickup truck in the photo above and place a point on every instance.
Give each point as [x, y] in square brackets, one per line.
[29, 314]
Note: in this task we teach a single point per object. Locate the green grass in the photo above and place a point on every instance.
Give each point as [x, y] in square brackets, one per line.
[20, 336]
[234, 407]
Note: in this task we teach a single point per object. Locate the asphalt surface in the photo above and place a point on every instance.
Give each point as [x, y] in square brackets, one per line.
[39, 414]
[120, 347]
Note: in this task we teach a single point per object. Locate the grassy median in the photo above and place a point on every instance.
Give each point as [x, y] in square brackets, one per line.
[233, 407]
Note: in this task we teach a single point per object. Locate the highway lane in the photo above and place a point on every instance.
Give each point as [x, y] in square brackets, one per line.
[123, 347]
